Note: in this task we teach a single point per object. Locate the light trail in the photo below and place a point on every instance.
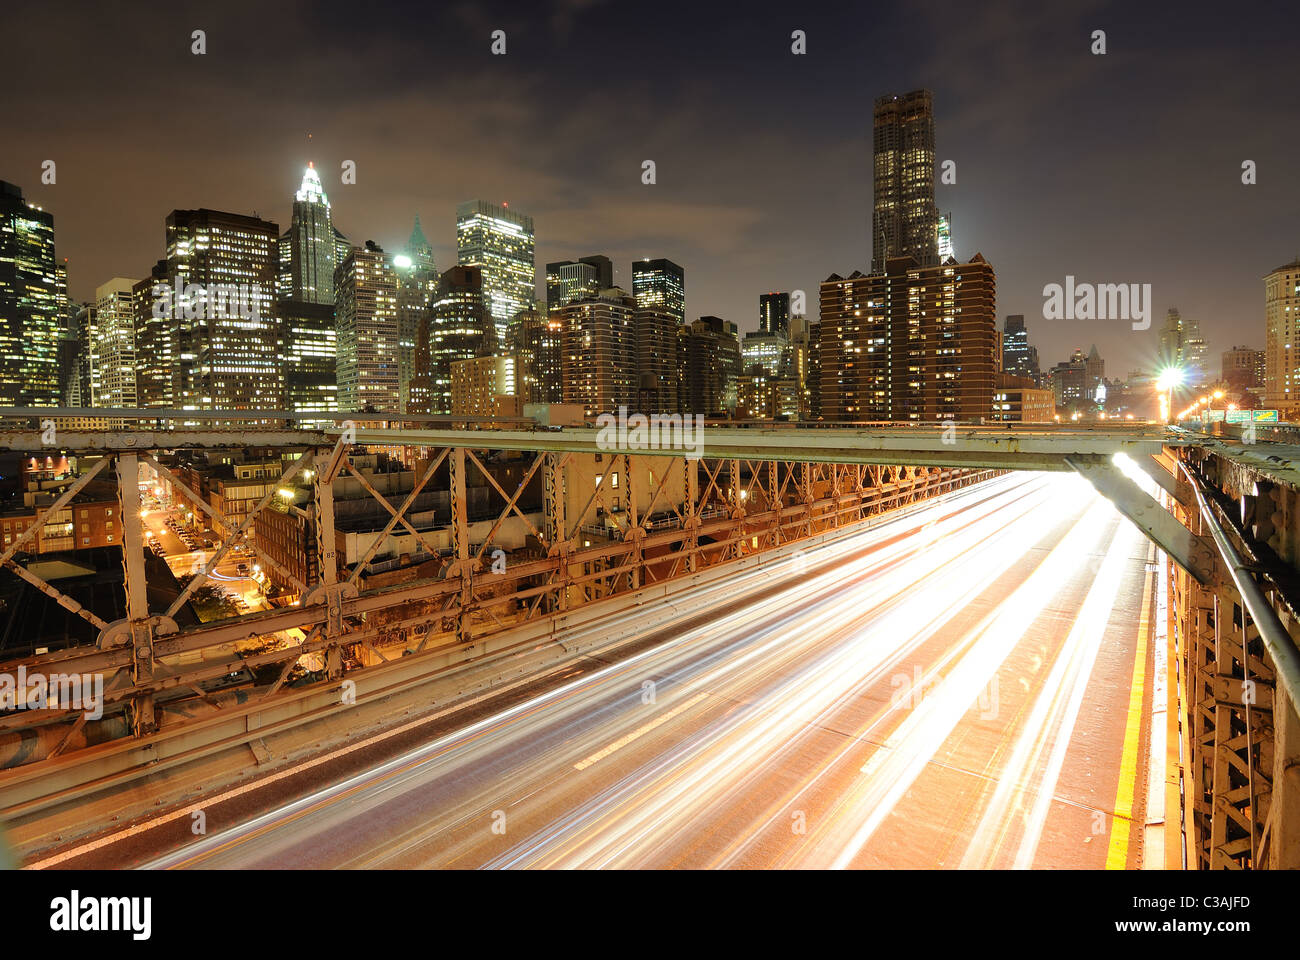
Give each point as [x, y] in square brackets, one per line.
[854, 701]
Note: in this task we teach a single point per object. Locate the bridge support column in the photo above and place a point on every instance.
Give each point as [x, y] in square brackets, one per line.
[691, 522]
[460, 545]
[327, 467]
[143, 721]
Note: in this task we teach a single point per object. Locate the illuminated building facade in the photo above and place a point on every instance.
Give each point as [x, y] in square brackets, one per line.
[660, 284]
[459, 327]
[310, 356]
[600, 360]
[709, 362]
[537, 341]
[656, 359]
[904, 219]
[365, 309]
[87, 334]
[417, 280]
[153, 340]
[771, 351]
[570, 280]
[225, 348]
[312, 249]
[1244, 368]
[477, 383]
[501, 243]
[30, 296]
[1281, 348]
[945, 237]
[115, 344]
[1016, 399]
[912, 344]
[774, 313]
[1018, 357]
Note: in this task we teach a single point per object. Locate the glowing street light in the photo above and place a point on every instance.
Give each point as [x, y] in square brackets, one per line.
[1169, 378]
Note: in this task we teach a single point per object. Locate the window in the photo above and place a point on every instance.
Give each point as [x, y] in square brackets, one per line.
[85, 540]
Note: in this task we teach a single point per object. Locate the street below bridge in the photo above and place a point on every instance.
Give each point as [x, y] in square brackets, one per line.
[968, 685]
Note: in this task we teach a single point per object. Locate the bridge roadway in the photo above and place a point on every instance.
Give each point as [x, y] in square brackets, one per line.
[951, 688]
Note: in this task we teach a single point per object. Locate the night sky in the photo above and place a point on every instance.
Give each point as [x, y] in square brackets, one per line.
[1117, 168]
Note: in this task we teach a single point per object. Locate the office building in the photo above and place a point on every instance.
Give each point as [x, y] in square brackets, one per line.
[225, 342]
[569, 280]
[501, 243]
[774, 313]
[417, 281]
[460, 326]
[1019, 358]
[709, 362]
[30, 303]
[905, 219]
[115, 344]
[365, 291]
[660, 284]
[153, 339]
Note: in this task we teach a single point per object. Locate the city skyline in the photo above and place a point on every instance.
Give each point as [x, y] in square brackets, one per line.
[741, 219]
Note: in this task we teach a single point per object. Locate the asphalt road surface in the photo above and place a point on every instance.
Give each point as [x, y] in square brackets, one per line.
[964, 687]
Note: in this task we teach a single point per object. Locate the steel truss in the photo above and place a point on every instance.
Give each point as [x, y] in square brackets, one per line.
[158, 674]
[1240, 741]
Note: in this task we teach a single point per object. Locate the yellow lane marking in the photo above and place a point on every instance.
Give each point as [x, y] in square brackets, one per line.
[1117, 855]
[639, 731]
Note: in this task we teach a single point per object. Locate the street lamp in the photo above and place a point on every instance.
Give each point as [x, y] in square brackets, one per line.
[1169, 378]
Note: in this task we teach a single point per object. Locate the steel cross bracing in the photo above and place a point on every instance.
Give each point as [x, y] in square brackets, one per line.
[641, 520]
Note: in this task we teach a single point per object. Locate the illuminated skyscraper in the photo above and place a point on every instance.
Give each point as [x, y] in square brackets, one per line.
[310, 356]
[771, 351]
[30, 296]
[501, 244]
[87, 333]
[365, 309]
[1181, 345]
[417, 280]
[459, 326]
[1019, 359]
[709, 363]
[115, 344]
[904, 219]
[153, 340]
[312, 247]
[660, 283]
[945, 237]
[774, 313]
[570, 280]
[220, 306]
